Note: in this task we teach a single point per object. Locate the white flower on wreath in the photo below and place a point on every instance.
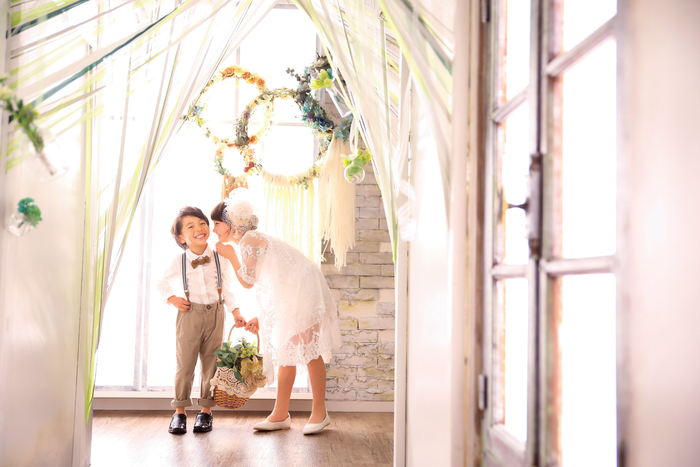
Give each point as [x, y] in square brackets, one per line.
[218, 78]
[5, 93]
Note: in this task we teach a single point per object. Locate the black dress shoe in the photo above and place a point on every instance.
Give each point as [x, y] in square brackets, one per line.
[178, 424]
[203, 422]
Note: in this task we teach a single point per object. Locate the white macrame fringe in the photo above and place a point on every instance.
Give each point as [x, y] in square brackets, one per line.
[337, 203]
[291, 214]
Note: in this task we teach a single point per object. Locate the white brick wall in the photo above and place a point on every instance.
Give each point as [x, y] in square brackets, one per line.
[363, 368]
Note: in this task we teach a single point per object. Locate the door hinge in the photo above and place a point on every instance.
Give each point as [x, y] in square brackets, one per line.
[483, 385]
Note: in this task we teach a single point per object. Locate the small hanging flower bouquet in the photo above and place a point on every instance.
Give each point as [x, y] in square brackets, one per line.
[354, 166]
[27, 216]
[239, 374]
[324, 80]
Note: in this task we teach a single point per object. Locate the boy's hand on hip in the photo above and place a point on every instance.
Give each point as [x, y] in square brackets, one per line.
[179, 303]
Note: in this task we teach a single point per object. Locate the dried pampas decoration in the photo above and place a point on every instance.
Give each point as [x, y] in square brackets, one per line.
[337, 203]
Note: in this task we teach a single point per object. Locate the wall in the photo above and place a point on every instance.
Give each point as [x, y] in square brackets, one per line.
[42, 417]
[428, 406]
[363, 368]
[660, 228]
[42, 414]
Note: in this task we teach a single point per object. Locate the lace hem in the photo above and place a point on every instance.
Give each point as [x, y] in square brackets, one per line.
[302, 348]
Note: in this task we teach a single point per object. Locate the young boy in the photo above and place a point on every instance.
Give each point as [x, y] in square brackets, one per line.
[206, 282]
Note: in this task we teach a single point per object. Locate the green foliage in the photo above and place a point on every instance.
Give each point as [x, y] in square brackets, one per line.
[23, 115]
[353, 170]
[360, 159]
[23, 204]
[232, 357]
[324, 81]
[363, 157]
[356, 163]
[32, 213]
[220, 169]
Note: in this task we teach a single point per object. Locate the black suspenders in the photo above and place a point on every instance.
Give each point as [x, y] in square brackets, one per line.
[219, 282]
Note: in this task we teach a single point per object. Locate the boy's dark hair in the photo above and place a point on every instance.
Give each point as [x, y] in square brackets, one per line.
[176, 229]
[217, 214]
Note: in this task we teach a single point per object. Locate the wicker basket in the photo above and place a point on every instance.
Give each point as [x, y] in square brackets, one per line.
[231, 401]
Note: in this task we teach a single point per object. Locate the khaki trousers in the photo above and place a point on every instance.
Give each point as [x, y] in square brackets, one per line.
[199, 331]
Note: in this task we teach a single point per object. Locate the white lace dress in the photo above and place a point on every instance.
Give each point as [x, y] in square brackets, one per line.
[298, 317]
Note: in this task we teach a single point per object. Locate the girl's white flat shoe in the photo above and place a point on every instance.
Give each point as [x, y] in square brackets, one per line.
[311, 428]
[273, 426]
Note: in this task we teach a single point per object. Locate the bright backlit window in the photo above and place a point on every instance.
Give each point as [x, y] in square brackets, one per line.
[137, 346]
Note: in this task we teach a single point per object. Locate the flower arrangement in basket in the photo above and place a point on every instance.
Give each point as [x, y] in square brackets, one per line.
[239, 373]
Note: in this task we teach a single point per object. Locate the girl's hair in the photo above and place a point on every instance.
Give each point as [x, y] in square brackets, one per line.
[176, 229]
[217, 214]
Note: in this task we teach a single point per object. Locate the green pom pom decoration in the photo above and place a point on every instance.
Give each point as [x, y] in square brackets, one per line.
[31, 212]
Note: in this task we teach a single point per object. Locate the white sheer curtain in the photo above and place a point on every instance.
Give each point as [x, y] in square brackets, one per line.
[122, 74]
[376, 46]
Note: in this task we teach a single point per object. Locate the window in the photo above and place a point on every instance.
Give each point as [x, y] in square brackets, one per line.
[550, 295]
[137, 346]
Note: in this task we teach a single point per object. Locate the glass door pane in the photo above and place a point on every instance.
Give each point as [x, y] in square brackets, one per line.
[582, 17]
[512, 177]
[510, 362]
[514, 48]
[583, 383]
[585, 156]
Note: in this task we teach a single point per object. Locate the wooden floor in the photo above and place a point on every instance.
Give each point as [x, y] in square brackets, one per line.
[126, 439]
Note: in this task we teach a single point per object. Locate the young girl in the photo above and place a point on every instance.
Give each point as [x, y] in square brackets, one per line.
[298, 319]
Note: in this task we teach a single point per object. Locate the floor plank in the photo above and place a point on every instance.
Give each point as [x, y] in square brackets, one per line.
[127, 438]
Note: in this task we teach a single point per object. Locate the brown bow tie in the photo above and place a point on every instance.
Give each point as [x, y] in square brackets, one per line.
[198, 261]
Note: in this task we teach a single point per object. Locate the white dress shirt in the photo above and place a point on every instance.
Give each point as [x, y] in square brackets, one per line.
[201, 281]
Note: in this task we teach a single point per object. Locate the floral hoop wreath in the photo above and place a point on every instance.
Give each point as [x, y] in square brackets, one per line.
[313, 116]
[194, 112]
[243, 142]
